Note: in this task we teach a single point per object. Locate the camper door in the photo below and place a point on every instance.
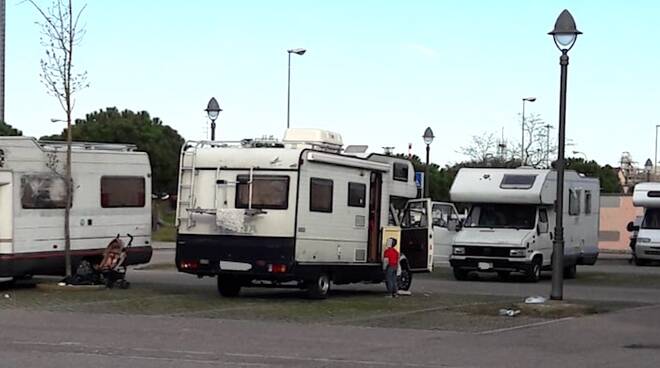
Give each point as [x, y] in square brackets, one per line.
[417, 235]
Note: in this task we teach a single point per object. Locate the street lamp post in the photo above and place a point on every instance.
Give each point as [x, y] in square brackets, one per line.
[522, 140]
[648, 166]
[565, 33]
[213, 110]
[288, 85]
[428, 139]
[655, 163]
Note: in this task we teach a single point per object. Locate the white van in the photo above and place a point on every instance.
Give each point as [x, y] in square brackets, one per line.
[112, 186]
[647, 241]
[510, 226]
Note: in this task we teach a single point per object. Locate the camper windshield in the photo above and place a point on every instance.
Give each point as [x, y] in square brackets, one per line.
[496, 215]
[651, 219]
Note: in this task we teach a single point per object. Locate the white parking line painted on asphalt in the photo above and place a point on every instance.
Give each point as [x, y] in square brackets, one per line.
[332, 360]
[520, 327]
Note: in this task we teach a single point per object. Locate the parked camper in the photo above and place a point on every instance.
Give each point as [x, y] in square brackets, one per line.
[646, 246]
[112, 185]
[510, 226]
[268, 213]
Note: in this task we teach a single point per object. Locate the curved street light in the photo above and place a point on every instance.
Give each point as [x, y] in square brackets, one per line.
[564, 34]
[298, 51]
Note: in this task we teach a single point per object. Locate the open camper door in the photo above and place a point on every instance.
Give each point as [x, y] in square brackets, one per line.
[417, 235]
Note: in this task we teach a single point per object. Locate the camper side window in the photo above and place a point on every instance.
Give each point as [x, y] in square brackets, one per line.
[268, 192]
[320, 195]
[357, 194]
[587, 202]
[43, 191]
[122, 191]
[400, 171]
[573, 202]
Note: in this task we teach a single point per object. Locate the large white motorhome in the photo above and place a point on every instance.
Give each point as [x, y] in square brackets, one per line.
[302, 211]
[511, 222]
[647, 238]
[111, 195]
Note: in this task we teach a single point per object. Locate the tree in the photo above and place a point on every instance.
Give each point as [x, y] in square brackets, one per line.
[609, 181]
[8, 130]
[160, 141]
[60, 35]
[481, 148]
[539, 147]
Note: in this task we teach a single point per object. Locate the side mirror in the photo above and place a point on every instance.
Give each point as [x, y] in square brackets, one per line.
[631, 227]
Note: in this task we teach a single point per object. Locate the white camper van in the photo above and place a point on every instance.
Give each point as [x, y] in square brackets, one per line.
[268, 213]
[511, 223]
[647, 242]
[111, 195]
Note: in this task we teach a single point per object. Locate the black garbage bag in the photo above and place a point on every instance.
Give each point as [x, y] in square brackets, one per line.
[85, 275]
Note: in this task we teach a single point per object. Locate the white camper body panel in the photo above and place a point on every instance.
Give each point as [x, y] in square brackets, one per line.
[647, 195]
[524, 186]
[32, 170]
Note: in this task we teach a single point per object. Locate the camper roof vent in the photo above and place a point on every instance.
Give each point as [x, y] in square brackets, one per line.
[321, 139]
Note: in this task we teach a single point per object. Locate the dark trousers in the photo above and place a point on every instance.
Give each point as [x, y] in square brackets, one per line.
[390, 280]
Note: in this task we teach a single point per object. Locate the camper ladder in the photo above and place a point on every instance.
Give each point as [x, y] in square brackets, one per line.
[187, 177]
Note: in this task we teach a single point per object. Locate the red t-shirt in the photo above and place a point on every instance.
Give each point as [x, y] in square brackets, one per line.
[392, 257]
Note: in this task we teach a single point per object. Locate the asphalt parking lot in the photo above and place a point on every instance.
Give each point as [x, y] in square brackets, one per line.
[438, 307]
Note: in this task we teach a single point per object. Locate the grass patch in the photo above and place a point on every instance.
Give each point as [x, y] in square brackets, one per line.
[164, 234]
[167, 230]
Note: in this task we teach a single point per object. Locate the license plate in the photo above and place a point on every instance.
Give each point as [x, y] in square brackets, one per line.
[484, 265]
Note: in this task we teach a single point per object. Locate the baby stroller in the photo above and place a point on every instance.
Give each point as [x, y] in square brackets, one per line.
[113, 266]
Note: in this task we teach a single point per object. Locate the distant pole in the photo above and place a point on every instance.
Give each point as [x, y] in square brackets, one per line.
[2, 60]
[655, 163]
[547, 151]
[288, 84]
[522, 140]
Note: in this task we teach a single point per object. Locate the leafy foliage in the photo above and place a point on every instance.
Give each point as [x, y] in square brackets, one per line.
[609, 182]
[8, 130]
[160, 141]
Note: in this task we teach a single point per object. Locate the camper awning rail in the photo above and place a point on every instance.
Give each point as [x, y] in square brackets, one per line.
[347, 161]
[57, 145]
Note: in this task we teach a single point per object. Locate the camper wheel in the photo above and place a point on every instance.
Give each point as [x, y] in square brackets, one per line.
[639, 261]
[404, 280]
[533, 273]
[460, 274]
[570, 272]
[228, 286]
[318, 288]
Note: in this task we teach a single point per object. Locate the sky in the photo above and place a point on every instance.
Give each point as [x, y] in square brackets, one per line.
[377, 72]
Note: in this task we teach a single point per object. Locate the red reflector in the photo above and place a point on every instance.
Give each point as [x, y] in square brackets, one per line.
[189, 265]
[277, 268]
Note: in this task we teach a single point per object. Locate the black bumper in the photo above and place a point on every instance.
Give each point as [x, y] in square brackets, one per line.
[498, 264]
[206, 251]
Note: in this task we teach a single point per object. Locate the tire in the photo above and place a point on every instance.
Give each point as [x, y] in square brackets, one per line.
[319, 287]
[404, 281]
[533, 273]
[228, 287]
[460, 274]
[123, 284]
[570, 272]
[639, 261]
[503, 275]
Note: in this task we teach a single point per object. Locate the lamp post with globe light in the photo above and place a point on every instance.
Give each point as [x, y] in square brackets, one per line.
[565, 33]
[428, 139]
[213, 110]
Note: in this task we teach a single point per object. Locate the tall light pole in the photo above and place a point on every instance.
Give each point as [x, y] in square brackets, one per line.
[565, 33]
[213, 110]
[522, 140]
[428, 139]
[547, 144]
[2, 60]
[288, 85]
[655, 163]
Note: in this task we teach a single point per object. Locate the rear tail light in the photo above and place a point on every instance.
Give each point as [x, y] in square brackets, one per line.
[189, 265]
[277, 268]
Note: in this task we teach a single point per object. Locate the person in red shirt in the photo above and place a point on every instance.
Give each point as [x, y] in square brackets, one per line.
[391, 263]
